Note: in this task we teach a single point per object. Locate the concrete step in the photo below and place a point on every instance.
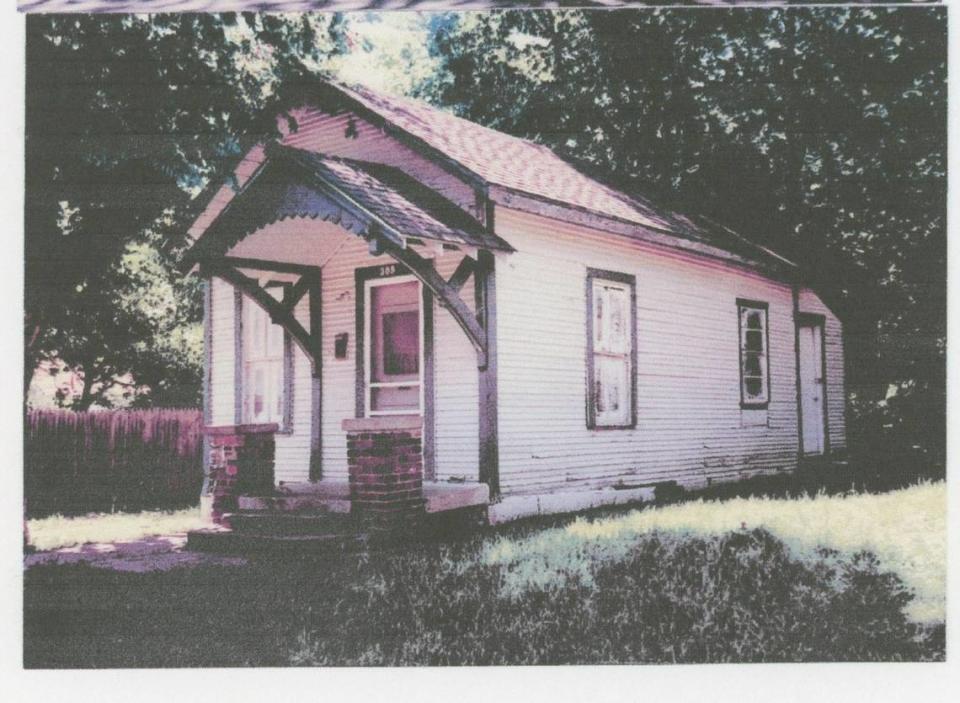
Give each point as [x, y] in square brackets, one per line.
[291, 524]
[241, 543]
[294, 503]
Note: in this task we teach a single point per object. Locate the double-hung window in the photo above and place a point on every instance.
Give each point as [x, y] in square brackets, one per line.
[754, 355]
[263, 366]
[611, 350]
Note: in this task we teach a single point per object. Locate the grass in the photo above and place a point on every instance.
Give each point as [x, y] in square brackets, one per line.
[681, 583]
[57, 531]
[905, 529]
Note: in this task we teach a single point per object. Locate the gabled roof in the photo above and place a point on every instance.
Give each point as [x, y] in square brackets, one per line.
[502, 162]
[502, 159]
[362, 197]
[505, 170]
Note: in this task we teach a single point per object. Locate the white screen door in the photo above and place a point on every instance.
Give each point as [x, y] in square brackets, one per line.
[394, 352]
[812, 388]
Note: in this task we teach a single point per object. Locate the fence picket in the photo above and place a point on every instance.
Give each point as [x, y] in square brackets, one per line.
[76, 463]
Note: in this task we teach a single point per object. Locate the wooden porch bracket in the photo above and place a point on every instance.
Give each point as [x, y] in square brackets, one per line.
[281, 312]
[465, 269]
[447, 295]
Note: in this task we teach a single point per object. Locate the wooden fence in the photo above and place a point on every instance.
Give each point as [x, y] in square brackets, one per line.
[130, 460]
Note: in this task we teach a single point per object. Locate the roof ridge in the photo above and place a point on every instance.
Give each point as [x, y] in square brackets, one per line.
[418, 103]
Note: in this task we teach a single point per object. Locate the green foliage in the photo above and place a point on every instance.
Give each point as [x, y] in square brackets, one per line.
[820, 132]
[128, 117]
[735, 598]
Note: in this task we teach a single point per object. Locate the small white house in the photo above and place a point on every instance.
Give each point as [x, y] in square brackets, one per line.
[553, 343]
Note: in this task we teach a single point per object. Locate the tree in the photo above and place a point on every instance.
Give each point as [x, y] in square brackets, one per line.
[820, 132]
[128, 117]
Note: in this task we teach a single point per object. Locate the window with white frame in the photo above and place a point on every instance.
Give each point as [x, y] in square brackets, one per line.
[263, 365]
[754, 362]
[611, 342]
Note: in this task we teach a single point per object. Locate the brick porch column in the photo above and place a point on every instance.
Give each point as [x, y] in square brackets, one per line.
[241, 462]
[385, 458]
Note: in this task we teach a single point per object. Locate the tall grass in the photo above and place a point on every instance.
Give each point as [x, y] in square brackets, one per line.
[130, 460]
[737, 597]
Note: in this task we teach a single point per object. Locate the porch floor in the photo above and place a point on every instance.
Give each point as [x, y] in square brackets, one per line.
[334, 496]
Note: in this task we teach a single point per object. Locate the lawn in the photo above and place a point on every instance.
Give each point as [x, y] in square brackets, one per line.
[57, 531]
[905, 529]
[738, 580]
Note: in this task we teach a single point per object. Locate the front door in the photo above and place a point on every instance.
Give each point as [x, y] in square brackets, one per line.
[812, 387]
[394, 355]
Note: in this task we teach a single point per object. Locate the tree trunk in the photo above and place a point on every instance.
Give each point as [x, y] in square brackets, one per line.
[87, 396]
[31, 333]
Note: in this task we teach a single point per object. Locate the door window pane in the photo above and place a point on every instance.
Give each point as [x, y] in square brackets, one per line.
[401, 343]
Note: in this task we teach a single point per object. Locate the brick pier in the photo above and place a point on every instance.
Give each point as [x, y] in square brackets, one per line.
[385, 459]
[241, 462]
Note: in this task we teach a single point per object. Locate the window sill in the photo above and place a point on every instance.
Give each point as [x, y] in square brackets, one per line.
[380, 423]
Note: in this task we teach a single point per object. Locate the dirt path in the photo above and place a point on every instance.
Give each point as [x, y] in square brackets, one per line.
[158, 553]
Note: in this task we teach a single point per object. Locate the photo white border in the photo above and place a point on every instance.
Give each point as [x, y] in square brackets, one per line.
[783, 683]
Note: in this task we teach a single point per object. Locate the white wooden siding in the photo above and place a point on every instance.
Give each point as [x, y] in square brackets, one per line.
[325, 133]
[833, 351]
[292, 459]
[690, 425]
[456, 389]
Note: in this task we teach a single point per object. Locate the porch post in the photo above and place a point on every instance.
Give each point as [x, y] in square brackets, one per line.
[485, 290]
[315, 298]
[207, 378]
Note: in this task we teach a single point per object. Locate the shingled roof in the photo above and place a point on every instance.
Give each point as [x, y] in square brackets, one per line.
[524, 167]
[395, 198]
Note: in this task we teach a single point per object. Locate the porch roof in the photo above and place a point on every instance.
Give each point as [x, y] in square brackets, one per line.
[393, 196]
[366, 198]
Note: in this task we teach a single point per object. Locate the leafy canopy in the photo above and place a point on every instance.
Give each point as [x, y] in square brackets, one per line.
[128, 118]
